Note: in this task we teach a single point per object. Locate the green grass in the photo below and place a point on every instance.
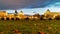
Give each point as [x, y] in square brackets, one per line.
[46, 26]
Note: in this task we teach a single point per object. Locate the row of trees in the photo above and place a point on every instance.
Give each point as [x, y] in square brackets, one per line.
[40, 17]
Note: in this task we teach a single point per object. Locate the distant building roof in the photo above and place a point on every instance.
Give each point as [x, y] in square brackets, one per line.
[27, 15]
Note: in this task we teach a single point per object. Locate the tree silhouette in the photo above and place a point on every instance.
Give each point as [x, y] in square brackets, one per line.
[37, 15]
[15, 13]
[42, 17]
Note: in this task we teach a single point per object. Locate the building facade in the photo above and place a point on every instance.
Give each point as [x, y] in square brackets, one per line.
[49, 14]
[21, 15]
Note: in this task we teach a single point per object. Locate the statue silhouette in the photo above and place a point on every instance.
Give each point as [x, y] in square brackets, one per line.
[16, 13]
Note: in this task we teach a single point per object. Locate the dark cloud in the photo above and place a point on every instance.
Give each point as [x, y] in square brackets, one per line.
[19, 4]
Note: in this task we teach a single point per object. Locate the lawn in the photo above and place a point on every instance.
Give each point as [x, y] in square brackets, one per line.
[30, 26]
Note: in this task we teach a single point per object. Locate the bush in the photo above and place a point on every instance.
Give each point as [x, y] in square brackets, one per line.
[17, 18]
[2, 18]
[7, 18]
[36, 15]
[57, 17]
[27, 18]
[42, 17]
[50, 18]
[12, 18]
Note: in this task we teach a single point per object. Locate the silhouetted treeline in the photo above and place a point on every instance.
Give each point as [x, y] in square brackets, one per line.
[40, 17]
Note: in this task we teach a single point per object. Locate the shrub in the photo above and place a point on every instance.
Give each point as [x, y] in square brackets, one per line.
[7, 18]
[50, 18]
[2, 18]
[57, 17]
[36, 15]
[12, 18]
[42, 17]
[17, 18]
[27, 18]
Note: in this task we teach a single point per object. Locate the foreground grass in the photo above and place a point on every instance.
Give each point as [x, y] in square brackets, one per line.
[46, 26]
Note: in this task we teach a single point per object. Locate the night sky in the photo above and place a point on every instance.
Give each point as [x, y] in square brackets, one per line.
[29, 5]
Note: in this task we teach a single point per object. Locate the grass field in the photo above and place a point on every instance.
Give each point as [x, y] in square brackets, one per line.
[31, 26]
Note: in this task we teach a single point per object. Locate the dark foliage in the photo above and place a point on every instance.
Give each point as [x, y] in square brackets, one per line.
[17, 18]
[50, 18]
[39, 32]
[57, 17]
[16, 12]
[2, 18]
[12, 18]
[37, 15]
[7, 18]
[27, 18]
[42, 17]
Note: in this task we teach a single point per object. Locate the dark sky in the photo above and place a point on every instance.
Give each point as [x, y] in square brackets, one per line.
[19, 4]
